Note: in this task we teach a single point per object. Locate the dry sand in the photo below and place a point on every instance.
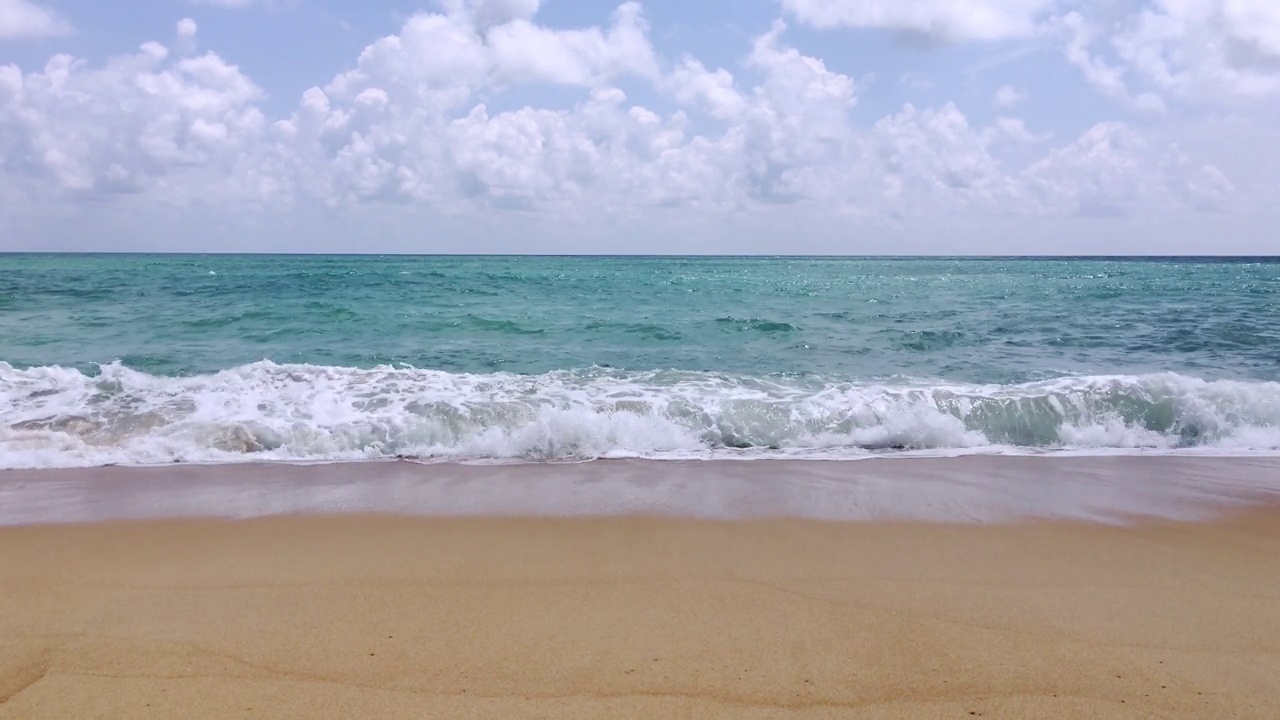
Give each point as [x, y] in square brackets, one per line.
[393, 617]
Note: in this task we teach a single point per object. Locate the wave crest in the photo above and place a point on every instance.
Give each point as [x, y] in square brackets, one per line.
[56, 416]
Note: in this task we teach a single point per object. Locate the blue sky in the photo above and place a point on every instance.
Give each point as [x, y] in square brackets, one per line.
[827, 126]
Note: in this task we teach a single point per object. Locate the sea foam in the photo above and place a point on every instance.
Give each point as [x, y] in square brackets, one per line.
[60, 417]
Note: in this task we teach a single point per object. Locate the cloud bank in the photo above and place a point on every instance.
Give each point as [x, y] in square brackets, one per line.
[420, 127]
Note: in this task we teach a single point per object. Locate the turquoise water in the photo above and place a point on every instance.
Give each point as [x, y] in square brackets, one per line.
[159, 358]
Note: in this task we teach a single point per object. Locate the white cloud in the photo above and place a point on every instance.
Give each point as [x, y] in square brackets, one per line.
[1202, 49]
[798, 121]
[523, 52]
[1107, 79]
[713, 92]
[408, 124]
[1112, 170]
[933, 162]
[26, 19]
[956, 20]
[1007, 96]
[151, 121]
[422, 121]
[1256, 23]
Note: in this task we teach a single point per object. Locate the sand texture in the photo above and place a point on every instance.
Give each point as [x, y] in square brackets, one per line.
[394, 617]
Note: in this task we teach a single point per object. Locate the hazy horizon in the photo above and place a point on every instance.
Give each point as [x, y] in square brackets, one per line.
[709, 256]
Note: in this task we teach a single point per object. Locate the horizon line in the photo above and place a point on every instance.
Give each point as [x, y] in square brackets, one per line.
[762, 256]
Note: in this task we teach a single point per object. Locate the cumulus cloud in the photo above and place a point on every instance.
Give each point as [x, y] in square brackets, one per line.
[798, 120]
[1146, 54]
[422, 120]
[933, 162]
[1204, 48]
[1112, 170]
[146, 121]
[523, 52]
[26, 19]
[713, 92]
[407, 123]
[954, 20]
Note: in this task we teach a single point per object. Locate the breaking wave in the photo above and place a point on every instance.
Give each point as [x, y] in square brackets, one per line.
[60, 417]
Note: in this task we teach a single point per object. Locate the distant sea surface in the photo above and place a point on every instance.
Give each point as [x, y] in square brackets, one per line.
[141, 359]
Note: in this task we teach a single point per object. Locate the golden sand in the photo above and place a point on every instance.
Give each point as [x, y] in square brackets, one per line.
[392, 617]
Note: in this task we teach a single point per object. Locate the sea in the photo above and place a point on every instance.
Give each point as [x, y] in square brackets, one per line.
[156, 359]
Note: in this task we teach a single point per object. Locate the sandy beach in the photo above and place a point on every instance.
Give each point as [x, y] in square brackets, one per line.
[401, 617]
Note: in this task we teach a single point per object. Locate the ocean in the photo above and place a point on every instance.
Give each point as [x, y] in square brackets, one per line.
[148, 359]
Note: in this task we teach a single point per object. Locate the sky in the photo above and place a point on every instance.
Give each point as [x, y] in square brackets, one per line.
[660, 127]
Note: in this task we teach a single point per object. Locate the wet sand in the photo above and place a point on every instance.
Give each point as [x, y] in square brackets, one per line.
[402, 617]
[976, 488]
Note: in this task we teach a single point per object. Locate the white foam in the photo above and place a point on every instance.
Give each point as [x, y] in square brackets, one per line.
[60, 417]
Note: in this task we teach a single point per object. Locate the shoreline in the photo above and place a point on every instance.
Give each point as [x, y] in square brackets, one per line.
[753, 455]
[969, 488]
[403, 617]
